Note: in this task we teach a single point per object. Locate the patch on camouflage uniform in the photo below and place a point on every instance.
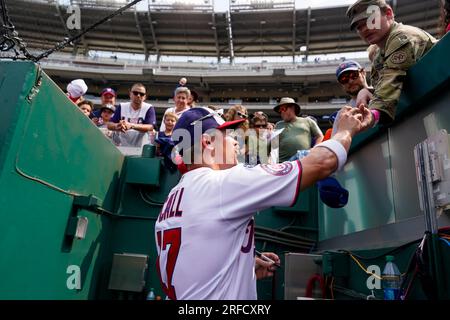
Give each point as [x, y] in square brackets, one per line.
[398, 57]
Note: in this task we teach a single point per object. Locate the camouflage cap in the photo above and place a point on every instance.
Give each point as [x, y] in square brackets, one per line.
[358, 10]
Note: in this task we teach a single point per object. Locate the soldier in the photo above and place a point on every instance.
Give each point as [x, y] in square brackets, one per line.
[400, 47]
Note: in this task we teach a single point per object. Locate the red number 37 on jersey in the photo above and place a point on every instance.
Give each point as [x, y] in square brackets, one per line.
[170, 238]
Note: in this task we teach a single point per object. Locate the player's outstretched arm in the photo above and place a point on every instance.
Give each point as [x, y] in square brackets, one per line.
[325, 158]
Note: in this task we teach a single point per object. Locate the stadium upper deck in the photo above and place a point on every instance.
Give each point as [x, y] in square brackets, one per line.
[253, 29]
[248, 29]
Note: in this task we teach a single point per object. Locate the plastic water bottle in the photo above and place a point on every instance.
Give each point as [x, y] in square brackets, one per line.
[151, 295]
[391, 280]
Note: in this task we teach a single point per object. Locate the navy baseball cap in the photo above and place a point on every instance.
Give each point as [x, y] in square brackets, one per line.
[348, 65]
[108, 91]
[205, 118]
[109, 107]
[331, 193]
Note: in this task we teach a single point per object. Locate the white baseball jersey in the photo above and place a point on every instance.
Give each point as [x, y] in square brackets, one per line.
[144, 115]
[205, 231]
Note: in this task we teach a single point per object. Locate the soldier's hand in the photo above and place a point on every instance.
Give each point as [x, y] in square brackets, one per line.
[363, 98]
[367, 120]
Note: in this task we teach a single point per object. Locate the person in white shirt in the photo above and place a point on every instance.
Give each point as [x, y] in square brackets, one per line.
[181, 98]
[132, 120]
[205, 231]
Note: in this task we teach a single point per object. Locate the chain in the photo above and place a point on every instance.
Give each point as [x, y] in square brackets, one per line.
[67, 41]
[10, 40]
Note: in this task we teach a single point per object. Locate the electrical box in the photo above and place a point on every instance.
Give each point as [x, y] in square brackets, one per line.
[128, 272]
[299, 268]
[433, 158]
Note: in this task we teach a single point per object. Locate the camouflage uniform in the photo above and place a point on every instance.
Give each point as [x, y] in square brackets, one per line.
[405, 45]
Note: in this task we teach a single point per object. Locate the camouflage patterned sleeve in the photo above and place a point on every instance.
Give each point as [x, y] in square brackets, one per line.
[389, 82]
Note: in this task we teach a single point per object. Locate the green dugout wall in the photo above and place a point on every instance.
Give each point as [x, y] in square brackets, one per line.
[49, 155]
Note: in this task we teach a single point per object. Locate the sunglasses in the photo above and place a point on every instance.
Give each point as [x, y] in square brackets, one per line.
[137, 93]
[346, 77]
[260, 126]
[242, 115]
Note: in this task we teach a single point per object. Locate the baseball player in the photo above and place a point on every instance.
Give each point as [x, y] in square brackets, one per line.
[205, 230]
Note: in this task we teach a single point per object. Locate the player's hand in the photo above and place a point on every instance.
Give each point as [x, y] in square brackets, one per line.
[368, 119]
[263, 268]
[348, 120]
[363, 97]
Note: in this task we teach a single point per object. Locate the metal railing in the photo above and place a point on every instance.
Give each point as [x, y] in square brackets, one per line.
[195, 67]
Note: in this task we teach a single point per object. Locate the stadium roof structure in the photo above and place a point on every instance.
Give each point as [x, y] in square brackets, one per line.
[250, 28]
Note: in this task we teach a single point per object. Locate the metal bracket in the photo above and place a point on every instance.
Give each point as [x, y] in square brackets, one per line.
[77, 227]
[37, 84]
[89, 201]
[432, 159]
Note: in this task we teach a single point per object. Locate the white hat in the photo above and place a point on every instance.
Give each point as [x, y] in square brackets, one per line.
[288, 101]
[77, 88]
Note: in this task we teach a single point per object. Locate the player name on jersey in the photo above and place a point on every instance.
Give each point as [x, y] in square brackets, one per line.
[169, 209]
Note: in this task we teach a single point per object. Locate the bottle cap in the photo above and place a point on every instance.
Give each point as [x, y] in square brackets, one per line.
[389, 258]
